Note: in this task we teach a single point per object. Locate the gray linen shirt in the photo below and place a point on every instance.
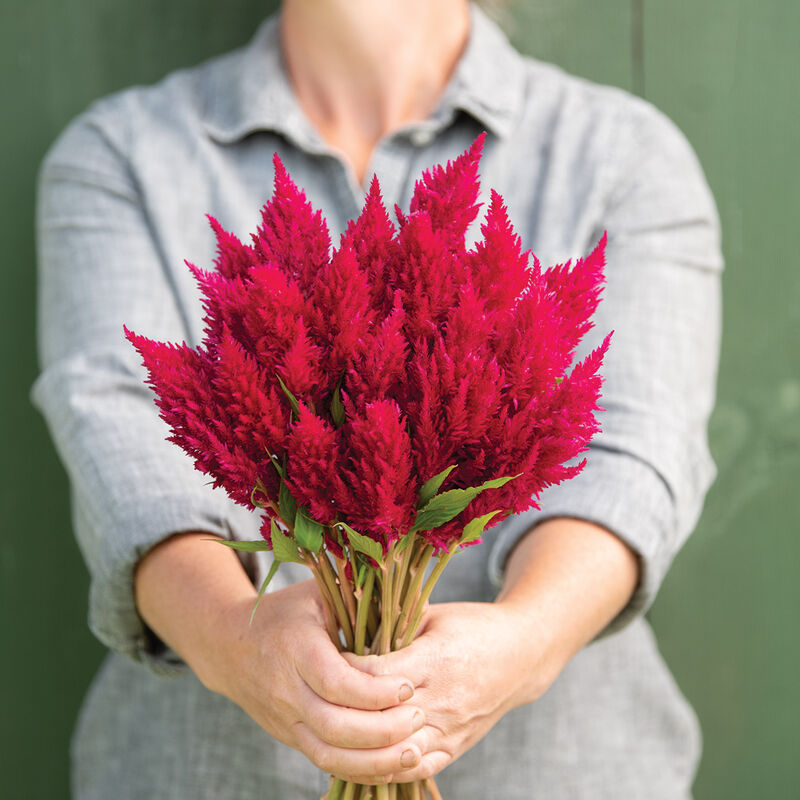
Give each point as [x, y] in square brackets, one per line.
[121, 203]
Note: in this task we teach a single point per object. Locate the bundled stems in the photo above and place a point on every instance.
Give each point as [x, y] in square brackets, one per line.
[328, 606]
[336, 590]
[387, 611]
[419, 608]
[347, 590]
[349, 791]
[364, 605]
[409, 600]
[383, 614]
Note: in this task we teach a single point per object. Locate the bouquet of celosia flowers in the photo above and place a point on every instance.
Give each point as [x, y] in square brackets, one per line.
[384, 402]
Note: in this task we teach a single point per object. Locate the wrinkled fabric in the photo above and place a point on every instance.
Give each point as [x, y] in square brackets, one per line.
[122, 196]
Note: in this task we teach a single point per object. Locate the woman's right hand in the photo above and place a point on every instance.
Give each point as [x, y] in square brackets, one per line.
[287, 675]
[283, 670]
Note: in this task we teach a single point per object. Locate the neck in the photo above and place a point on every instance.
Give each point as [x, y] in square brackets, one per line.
[364, 68]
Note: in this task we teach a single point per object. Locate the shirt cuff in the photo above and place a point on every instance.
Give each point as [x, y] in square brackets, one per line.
[113, 616]
[622, 494]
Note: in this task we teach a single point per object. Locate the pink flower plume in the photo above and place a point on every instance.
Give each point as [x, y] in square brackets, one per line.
[370, 368]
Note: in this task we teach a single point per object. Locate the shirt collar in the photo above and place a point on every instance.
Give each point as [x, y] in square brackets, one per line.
[249, 90]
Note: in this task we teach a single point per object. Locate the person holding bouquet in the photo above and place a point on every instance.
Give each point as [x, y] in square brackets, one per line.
[534, 671]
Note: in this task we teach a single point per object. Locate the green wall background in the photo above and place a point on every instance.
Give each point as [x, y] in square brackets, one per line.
[727, 617]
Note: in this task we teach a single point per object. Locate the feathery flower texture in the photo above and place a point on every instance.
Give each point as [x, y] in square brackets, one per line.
[385, 401]
[366, 371]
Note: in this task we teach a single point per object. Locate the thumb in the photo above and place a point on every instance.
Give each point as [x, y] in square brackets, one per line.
[407, 662]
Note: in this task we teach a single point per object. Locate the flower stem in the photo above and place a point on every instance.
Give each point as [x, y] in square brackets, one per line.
[326, 571]
[430, 785]
[335, 792]
[372, 621]
[387, 616]
[374, 647]
[382, 792]
[419, 608]
[411, 595]
[401, 570]
[327, 603]
[347, 589]
[364, 603]
[349, 791]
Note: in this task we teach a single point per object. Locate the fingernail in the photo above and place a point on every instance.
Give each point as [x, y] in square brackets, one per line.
[408, 759]
[406, 692]
[418, 721]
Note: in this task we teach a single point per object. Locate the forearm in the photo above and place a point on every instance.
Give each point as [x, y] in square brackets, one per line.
[565, 581]
[185, 588]
[282, 670]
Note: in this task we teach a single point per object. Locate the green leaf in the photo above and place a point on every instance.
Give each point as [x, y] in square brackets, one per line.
[270, 575]
[559, 380]
[257, 503]
[362, 575]
[283, 547]
[307, 532]
[292, 399]
[443, 507]
[402, 543]
[474, 528]
[363, 544]
[431, 486]
[337, 409]
[277, 464]
[248, 547]
[287, 504]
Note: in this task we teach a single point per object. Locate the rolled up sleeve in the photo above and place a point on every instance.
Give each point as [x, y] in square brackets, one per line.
[649, 469]
[99, 267]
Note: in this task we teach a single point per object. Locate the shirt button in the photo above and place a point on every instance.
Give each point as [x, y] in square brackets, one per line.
[421, 137]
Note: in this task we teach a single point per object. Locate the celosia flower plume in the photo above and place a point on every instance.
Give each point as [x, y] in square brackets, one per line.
[349, 377]
[387, 400]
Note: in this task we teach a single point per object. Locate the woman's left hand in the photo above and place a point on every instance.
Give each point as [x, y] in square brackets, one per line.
[471, 663]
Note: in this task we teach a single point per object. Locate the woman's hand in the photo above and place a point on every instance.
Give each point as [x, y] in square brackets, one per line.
[473, 662]
[283, 669]
[288, 676]
[467, 666]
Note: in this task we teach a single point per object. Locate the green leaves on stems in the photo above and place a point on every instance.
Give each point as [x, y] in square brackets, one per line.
[286, 505]
[474, 528]
[402, 543]
[256, 546]
[256, 490]
[284, 548]
[444, 507]
[363, 544]
[277, 464]
[307, 532]
[362, 575]
[432, 486]
[270, 575]
[292, 399]
[337, 409]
